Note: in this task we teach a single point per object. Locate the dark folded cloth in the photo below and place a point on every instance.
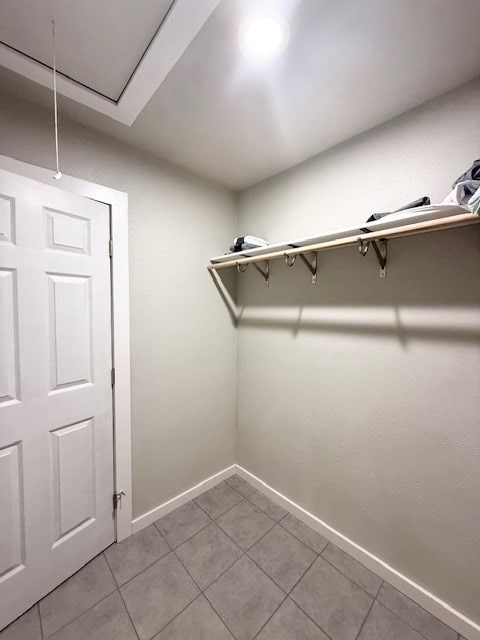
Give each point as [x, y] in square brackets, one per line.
[472, 174]
[421, 202]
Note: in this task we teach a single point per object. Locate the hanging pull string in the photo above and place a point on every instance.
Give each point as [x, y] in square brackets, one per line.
[58, 175]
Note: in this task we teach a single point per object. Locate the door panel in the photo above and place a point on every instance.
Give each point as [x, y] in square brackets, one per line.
[7, 219]
[56, 432]
[8, 336]
[73, 478]
[70, 330]
[11, 543]
[66, 232]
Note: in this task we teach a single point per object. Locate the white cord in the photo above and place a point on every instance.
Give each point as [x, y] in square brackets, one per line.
[58, 175]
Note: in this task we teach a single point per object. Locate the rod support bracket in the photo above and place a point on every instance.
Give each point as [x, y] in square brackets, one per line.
[290, 260]
[311, 265]
[363, 246]
[265, 271]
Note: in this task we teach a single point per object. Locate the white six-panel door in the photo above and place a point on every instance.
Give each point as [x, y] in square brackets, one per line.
[56, 435]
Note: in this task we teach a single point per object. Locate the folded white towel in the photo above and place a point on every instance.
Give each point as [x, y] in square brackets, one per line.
[253, 240]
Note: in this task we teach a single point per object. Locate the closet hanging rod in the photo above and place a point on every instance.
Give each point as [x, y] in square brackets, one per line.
[440, 224]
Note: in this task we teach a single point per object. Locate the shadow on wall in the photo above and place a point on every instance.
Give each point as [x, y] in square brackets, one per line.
[431, 291]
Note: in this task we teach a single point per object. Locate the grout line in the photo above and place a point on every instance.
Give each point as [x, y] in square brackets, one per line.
[174, 617]
[229, 508]
[110, 568]
[245, 551]
[40, 620]
[269, 618]
[351, 579]
[215, 612]
[407, 623]
[128, 614]
[211, 604]
[263, 510]
[303, 541]
[184, 541]
[287, 593]
[202, 591]
[81, 614]
[365, 619]
[415, 603]
[310, 618]
[135, 575]
[303, 574]
[89, 608]
[382, 582]
[224, 572]
[146, 569]
[238, 490]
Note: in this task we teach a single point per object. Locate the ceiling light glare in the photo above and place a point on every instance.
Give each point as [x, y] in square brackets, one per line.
[263, 38]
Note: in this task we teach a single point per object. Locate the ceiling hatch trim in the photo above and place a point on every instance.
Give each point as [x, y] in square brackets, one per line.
[182, 23]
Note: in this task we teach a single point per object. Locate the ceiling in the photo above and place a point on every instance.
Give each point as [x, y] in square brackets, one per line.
[349, 66]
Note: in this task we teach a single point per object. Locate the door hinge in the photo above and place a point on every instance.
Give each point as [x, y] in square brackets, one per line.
[117, 498]
[113, 377]
[110, 247]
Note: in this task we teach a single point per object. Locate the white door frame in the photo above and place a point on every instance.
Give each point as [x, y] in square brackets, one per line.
[118, 202]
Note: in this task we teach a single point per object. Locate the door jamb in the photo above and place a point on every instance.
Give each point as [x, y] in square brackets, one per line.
[118, 202]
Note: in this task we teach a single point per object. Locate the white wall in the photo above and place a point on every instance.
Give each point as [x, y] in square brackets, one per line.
[359, 398]
[183, 341]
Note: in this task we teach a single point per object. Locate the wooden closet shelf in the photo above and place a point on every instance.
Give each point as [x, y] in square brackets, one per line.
[361, 240]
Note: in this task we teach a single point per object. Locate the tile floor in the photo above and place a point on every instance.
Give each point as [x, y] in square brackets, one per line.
[228, 565]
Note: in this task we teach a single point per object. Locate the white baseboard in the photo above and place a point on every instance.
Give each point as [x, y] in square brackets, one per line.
[148, 518]
[441, 610]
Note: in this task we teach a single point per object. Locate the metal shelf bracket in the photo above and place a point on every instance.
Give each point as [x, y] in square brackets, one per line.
[265, 272]
[380, 248]
[311, 266]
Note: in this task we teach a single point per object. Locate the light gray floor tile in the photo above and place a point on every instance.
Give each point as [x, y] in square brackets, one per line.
[245, 524]
[244, 597]
[310, 537]
[26, 627]
[219, 499]
[183, 523]
[133, 555]
[283, 557]
[208, 554]
[334, 602]
[414, 615]
[290, 623]
[241, 485]
[77, 594]
[107, 620]
[198, 622]
[158, 594]
[269, 507]
[382, 624]
[352, 569]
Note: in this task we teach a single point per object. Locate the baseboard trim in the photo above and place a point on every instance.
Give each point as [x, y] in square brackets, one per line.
[437, 607]
[148, 518]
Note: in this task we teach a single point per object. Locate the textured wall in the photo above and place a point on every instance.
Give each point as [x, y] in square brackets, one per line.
[183, 342]
[358, 398]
